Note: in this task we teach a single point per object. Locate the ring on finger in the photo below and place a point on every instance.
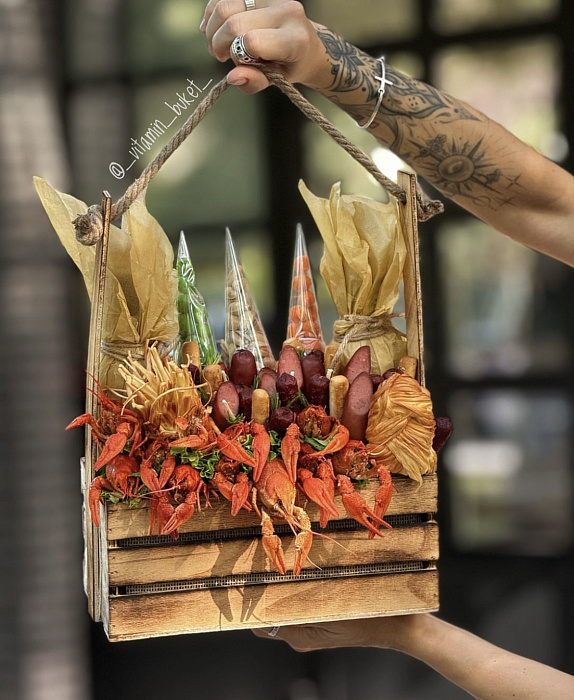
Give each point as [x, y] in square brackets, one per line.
[273, 632]
[249, 4]
[240, 52]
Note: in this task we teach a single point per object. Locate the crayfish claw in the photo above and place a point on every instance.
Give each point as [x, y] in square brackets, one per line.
[303, 539]
[240, 493]
[114, 445]
[383, 496]
[81, 420]
[316, 491]
[303, 542]
[272, 543]
[357, 507]
[94, 494]
[180, 515]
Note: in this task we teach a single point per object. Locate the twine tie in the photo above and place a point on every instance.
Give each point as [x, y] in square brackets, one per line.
[121, 351]
[354, 327]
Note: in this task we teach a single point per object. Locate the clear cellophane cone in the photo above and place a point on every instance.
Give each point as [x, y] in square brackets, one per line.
[304, 322]
[243, 327]
[192, 312]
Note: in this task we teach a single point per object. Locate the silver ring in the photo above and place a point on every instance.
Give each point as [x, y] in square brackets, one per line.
[240, 52]
[249, 4]
[273, 631]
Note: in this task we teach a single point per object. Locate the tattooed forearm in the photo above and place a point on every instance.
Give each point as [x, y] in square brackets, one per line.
[351, 69]
[354, 71]
[411, 122]
[411, 98]
[463, 168]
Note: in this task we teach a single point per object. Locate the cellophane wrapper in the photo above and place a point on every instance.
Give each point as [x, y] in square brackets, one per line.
[192, 312]
[304, 321]
[243, 327]
[362, 265]
[141, 282]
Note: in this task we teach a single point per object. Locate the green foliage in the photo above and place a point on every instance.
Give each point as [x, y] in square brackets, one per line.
[192, 312]
[205, 464]
[301, 398]
[316, 443]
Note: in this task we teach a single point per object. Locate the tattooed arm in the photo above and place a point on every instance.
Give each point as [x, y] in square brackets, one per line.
[468, 157]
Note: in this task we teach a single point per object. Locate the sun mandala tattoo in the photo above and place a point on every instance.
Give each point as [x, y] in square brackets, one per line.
[464, 169]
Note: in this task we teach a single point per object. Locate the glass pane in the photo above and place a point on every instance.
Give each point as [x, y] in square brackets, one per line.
[97, 122]
[506, 307]
[217, 174]
[93, 38]
[370, 23]
[515, 84]
[510, 482]
[166, 35]
[463, 15]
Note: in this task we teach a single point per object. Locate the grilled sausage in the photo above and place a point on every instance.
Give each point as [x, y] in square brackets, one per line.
[360, 362]
[357, 404]
[289, 363]
[243, 368]
[225, 405]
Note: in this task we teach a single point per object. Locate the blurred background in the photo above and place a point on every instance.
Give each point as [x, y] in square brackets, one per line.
[79, 79]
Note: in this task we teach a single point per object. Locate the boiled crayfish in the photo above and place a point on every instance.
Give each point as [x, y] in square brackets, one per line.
[162, 445]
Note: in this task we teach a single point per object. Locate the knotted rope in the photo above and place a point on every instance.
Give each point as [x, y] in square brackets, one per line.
[354, 327]
[121, 351]
[89, 226]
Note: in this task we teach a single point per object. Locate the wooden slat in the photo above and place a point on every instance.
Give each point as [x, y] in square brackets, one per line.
[104, 583]
[143, 565]
[124, 522]
[140, 617]
[411, 272]
[92, 554]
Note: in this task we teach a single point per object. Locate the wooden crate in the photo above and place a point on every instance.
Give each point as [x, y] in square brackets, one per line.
[215, 576]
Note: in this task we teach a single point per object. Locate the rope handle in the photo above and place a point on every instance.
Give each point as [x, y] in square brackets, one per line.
[89, 226]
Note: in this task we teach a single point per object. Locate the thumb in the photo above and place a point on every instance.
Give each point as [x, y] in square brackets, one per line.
[248, 79]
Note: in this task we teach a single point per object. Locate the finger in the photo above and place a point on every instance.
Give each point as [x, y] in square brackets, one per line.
[206, 14]
[221, 34]
[264, 44]
[276, 33]
[248, 79]
[271, 45]
[221, 10]
[301, 637]
[311, 637]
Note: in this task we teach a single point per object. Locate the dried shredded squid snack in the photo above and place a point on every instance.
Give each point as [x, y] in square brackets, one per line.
[401, 427]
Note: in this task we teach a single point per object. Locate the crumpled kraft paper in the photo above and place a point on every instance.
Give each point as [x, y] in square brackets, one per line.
[141, 282]
[362, 265]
